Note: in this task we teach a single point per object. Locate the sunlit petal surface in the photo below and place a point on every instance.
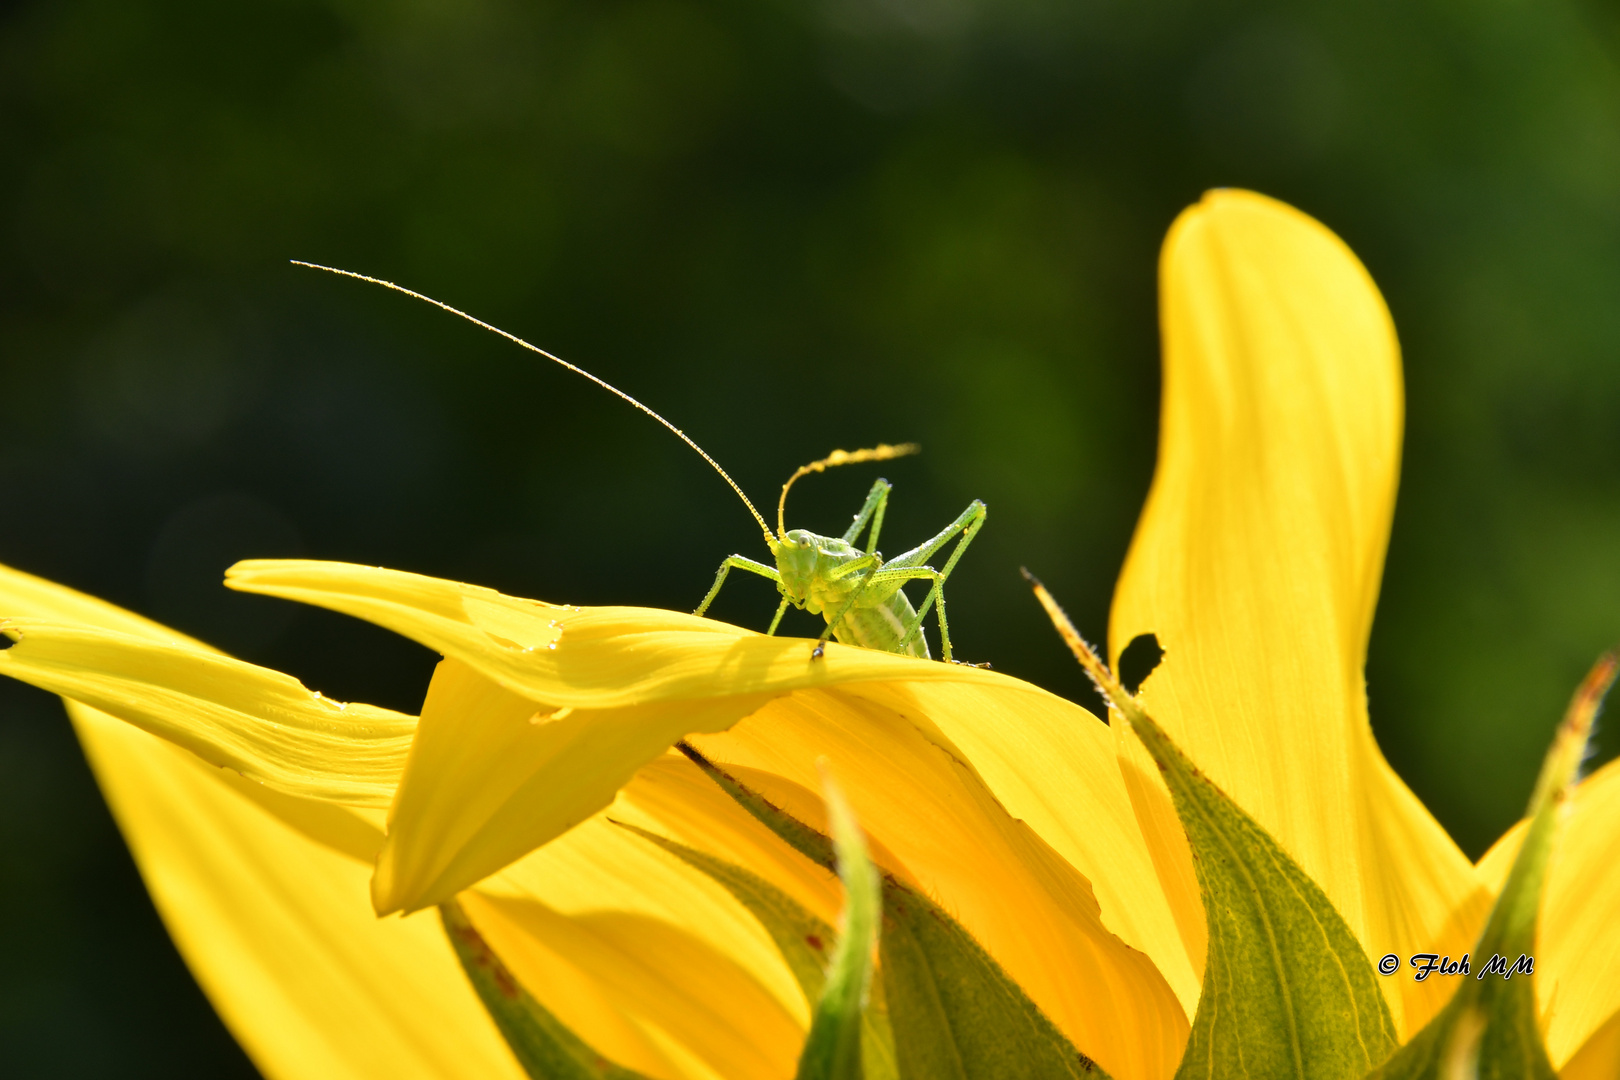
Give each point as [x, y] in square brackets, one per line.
[1051, 764]
[674, 798]
[682, 978]
[492, 776]
[252, 719]
[593, 658]
[264, 894]
[1599, 1057]
[1578, 948]
[274, 925]
[1257, 562]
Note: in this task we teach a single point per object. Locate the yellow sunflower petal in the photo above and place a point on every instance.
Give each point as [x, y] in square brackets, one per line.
[576, 999]
[672, 797]
[1052, 765]
[1578, 937]
[1599, 1057]
[1577, 944]
[26, 595]
[921, 803]
[683, 980]
[598, 658]
[1257, 559]
[262, 723]
[491, 778]
[276, 928]
[1493, 866]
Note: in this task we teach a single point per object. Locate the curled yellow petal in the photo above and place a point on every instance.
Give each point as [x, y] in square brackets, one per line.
[26, 595]
[236, 715]
[1257, 560]
[492, 776]
[597, 658]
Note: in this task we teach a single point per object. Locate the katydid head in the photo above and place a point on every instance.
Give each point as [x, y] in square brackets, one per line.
[808, 563]
[796, 561]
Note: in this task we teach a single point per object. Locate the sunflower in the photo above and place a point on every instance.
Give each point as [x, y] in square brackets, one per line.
[557, 793]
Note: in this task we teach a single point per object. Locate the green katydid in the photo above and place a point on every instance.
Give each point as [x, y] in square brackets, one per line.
[854, 589]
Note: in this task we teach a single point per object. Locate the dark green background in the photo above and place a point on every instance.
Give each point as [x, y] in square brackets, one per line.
[789, 226]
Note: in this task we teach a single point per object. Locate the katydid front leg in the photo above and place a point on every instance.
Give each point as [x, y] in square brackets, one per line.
[872, 564]
[969, 523]
[739, 563]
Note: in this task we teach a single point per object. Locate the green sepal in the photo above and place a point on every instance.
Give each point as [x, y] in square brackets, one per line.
[832, 1051]
[955, 1013]
[543, 1045]
[804, 941]
[1288, 990]
[1488, 1030]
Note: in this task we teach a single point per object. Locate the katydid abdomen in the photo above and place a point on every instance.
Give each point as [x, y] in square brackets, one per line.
[882, 626]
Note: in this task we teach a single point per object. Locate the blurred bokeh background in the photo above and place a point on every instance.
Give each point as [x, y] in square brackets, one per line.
[790, 227]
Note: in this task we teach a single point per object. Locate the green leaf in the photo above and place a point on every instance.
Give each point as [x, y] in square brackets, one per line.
[1488, 1029]
[1288, 990]
[543, 1045]
[953, 1010]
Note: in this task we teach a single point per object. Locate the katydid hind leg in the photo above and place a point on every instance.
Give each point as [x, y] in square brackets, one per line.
[737, 562]
[963, 523]
[969, 523]
[877, 502]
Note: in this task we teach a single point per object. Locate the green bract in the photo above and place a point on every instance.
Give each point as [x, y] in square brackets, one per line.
[1288, 991]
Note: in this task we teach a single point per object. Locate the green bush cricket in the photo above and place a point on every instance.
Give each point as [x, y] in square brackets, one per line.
[854, 589]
